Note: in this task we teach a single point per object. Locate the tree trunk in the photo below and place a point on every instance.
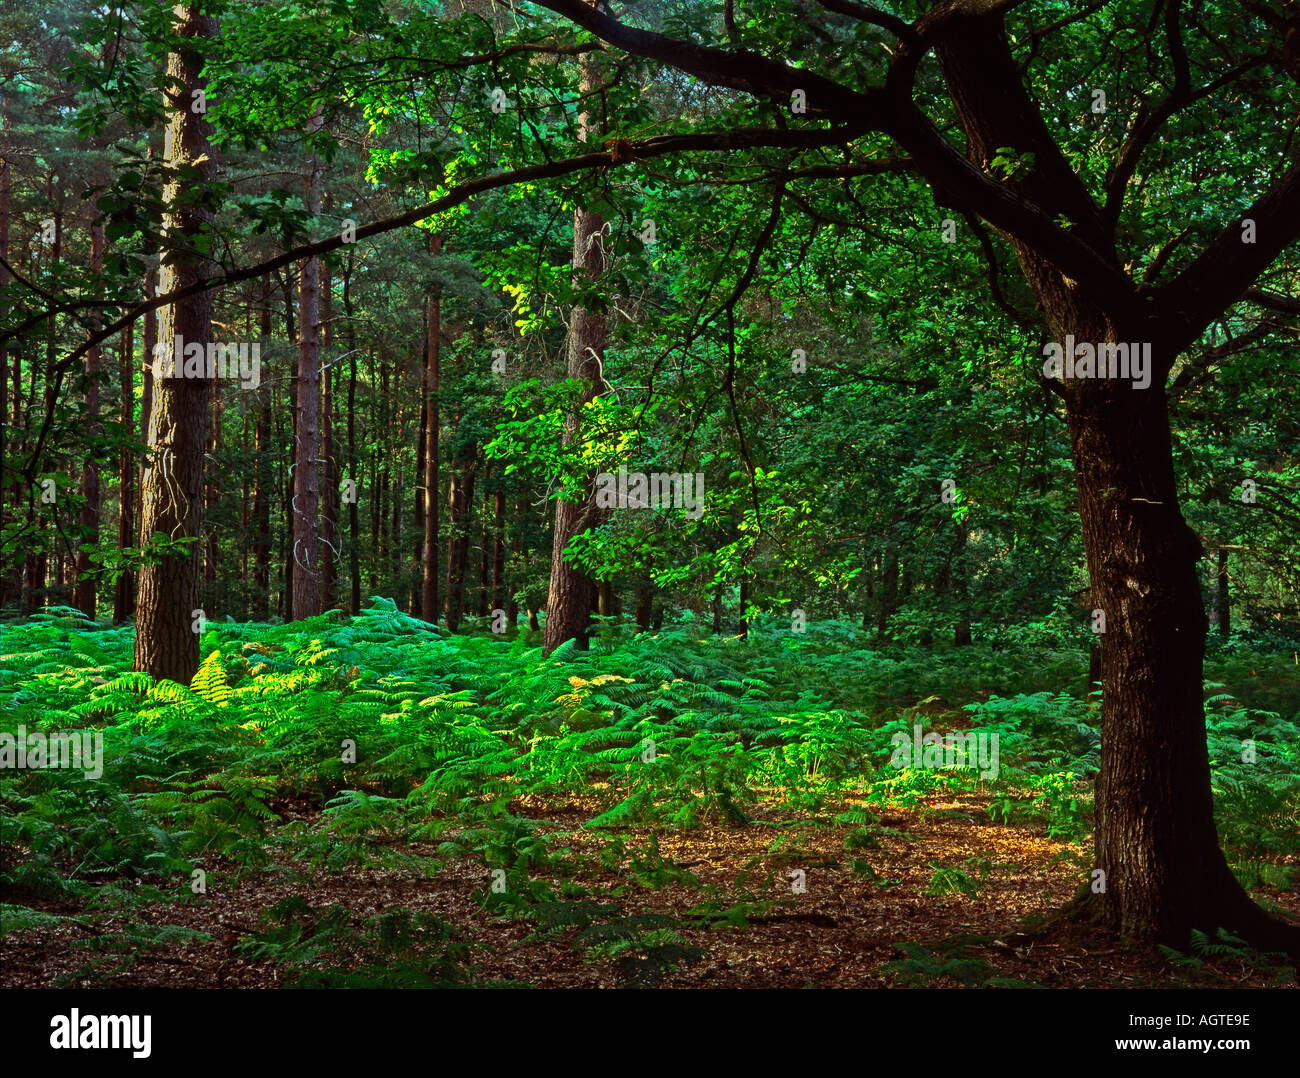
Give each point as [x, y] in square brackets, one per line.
[1222, 593]
[516, 563]
[354, 554]
[462, 504]
[484, 556]
[645, 596]
[124, 593]
[211, 492]
[744, 600]
[10, 585]
[286, 544]
[421, 453]
[961, 636]
[1155, 833]
[306, 468]
[166, 645]
[499, 553]
[329, 509]
[572, 592]
[1155, 840]
[263, 457]
[888, 592]
[400, 577]
[432, 389]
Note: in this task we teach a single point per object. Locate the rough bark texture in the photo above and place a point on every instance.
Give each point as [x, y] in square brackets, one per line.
[166, 645]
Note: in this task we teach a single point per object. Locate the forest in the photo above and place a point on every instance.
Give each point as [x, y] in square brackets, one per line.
[649, 494]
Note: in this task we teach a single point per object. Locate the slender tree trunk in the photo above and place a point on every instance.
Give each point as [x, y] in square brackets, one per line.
[888, 592]
[516, 563]
[166, 644]
[401, 579]
[421, 454]
[329, 511]
[961, 589]
[39, 566]
[432, 411]
[211, 492]
[1222, 592]
[645, 598]
[499, 552]
[484, 557]
[572, 592]
[462, 507]
[124, 593]
[10, 584]
[383, 458]
[354, 553]
[263, 455]
[286, 544]
[744, 600]
[148, 346]
[307, 447]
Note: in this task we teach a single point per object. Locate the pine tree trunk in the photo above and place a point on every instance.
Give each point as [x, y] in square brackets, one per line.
[432, 411]
[263, 456]
[329, 510]
[166, 645]
[499, 553]
[124, 593]
[10, 583]
[211, 493]
[516, 563]
[307, 448]
[1222, 593]
[572, 592]
[462, 505]
[354, 554]
[286, 543]
[484, 558]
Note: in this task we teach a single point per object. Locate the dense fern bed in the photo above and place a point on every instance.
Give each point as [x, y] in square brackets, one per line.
[371, 802]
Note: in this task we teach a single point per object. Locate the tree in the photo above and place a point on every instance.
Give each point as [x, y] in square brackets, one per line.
[433, 423]
[171, 490]
[572, 591]
[306, 549]
[1164, 873]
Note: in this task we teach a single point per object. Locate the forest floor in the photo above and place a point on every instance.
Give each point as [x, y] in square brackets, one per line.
[664, 810]
[839, 933]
